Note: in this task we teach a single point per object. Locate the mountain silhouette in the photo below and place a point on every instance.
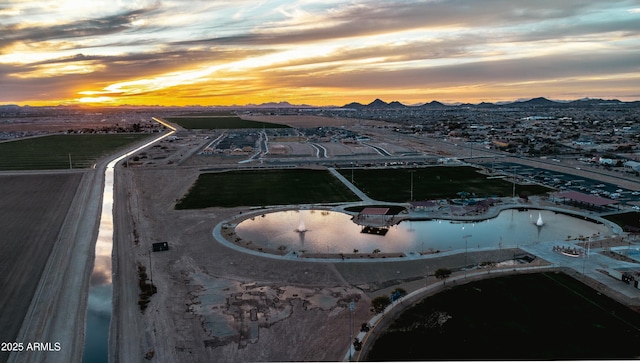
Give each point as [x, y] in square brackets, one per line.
[534, 102]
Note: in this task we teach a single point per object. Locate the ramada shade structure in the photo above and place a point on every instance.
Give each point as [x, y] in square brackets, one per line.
[373, 211]
[586, 198]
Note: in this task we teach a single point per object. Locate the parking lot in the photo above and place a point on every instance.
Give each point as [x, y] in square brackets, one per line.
[565, 181]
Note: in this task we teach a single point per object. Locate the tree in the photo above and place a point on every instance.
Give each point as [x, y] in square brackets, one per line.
[378, 304]
[398, 293]
[357, 344]
[490, 265]
[442, 274]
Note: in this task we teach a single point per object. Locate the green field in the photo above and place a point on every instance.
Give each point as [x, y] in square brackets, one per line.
[547, 316]
[221, 122]
[52, 152]
[265, 187]
[394, 185]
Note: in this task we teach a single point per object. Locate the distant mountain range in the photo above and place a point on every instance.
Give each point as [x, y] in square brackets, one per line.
[380, 104]
[534, 102]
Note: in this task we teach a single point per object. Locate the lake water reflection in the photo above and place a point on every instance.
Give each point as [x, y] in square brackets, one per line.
[334, 232]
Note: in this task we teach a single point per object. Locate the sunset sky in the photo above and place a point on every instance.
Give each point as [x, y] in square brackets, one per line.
[225, 52]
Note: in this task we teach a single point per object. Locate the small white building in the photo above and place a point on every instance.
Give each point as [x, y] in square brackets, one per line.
[633, 165]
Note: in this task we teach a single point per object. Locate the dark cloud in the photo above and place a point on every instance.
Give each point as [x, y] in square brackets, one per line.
[485, 72]
[113, 69]
[54, 88]
[478, 26]
[390, 16]
[567, 30]
[82, 28]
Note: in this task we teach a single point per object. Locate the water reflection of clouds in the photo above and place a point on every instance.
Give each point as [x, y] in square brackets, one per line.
[333, 232]
[101, 274]
[101, 288]
[99, 302]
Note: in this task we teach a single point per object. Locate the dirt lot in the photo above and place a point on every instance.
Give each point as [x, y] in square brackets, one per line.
[214, 303]
[219, 304]
[306, 121]
[33, 208]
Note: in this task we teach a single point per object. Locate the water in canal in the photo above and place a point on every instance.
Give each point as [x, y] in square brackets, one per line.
[99, 305]
[100, 286]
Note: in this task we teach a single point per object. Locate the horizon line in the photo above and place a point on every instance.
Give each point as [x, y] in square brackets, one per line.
[288, 104]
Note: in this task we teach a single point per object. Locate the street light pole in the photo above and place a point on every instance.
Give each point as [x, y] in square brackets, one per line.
[466, 244]
[426, 278]
[150, 268]
[411, 199]
[411, 172]
[514, 182]
[352, 307]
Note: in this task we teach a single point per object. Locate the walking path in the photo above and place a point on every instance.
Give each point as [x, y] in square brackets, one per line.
[352, 187]
[589, 266]
[592, 264]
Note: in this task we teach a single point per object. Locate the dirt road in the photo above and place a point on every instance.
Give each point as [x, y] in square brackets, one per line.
[33, 208]
[126, 318]
[55, 314]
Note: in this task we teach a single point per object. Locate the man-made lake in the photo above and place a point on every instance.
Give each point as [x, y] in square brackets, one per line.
[320, 231]
[531, 317]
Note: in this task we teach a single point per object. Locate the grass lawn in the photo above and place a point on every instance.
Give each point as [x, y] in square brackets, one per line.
[629, 221]
[221, 122]
[52, 152]
[546, 316]
[394, 185]
[265, 187]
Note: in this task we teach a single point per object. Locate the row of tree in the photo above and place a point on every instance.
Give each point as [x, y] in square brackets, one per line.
[380, 303]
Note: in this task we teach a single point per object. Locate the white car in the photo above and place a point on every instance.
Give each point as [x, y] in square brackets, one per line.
[635, 207]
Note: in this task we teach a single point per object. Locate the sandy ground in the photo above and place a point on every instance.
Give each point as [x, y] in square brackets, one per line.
[307, 121]
[33, 208]
[214, 303]
[218, 304]
[55, 314]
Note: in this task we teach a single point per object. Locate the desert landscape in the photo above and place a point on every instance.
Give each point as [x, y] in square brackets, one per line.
[39, 204]
[217, 303]
[202, 300]
[278, 181]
